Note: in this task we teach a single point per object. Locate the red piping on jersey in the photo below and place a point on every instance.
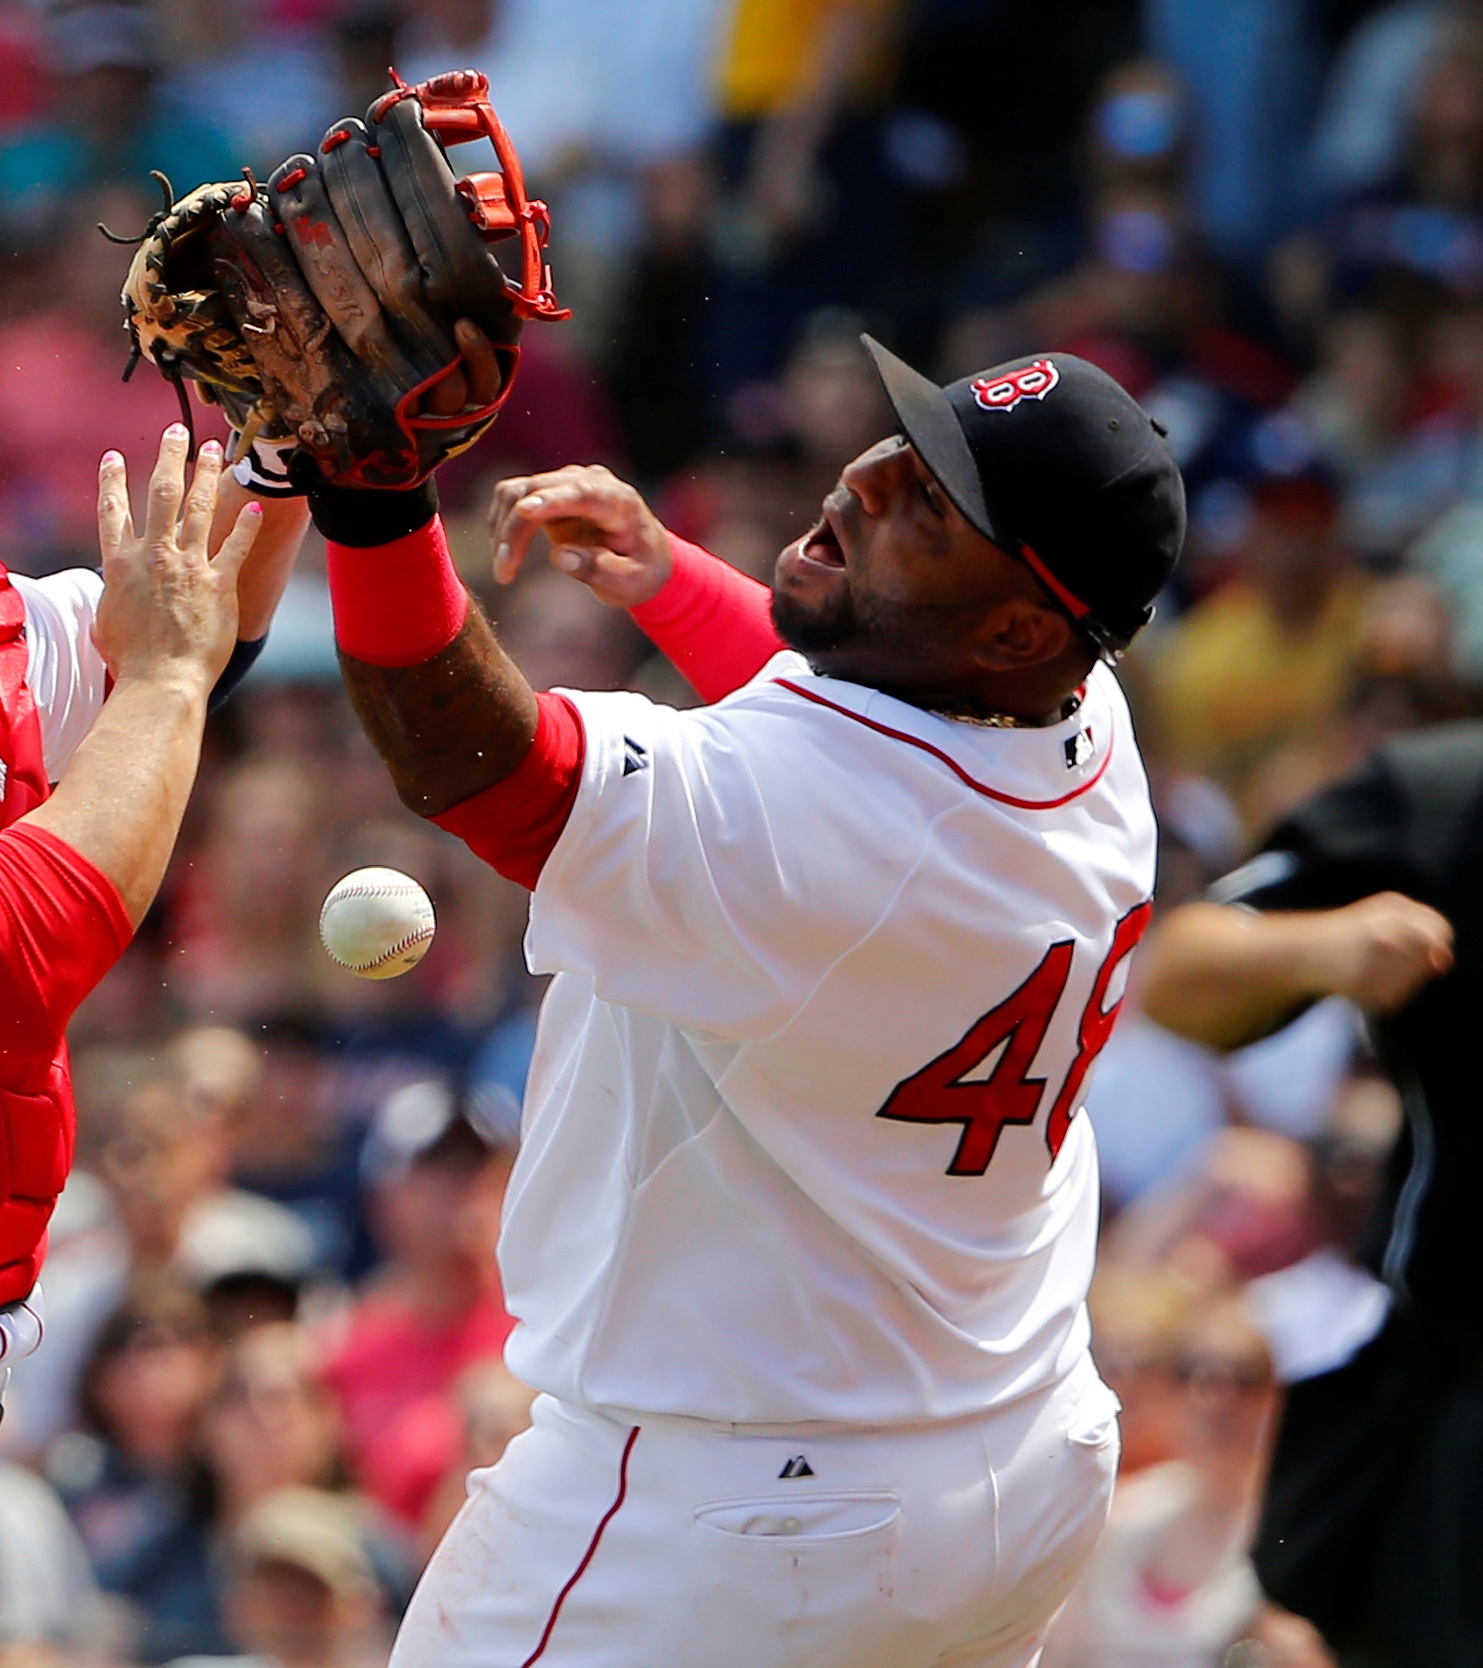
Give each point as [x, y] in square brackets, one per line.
[957, 769]
[588, 1555]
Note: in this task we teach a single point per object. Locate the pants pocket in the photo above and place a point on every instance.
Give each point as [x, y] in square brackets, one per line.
[800, 1580]
[1093, 1422]
[814, 1519]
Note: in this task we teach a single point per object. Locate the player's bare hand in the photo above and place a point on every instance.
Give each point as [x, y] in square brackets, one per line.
[168, 609]
[1380, 951]
[601, 531]
[477, 380]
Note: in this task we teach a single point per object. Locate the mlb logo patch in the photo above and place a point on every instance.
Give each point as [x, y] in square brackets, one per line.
[4, 777]
[1079, 749]
[1030, 382]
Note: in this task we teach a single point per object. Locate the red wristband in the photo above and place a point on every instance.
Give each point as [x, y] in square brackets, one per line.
[396, 604]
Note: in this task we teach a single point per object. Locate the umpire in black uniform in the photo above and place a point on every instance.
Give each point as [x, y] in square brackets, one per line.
[1373, 1523]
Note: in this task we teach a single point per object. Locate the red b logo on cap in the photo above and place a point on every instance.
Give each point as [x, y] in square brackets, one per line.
[1004, 393]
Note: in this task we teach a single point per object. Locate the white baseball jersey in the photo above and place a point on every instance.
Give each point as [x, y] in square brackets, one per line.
[64, 671]
[800, 1140]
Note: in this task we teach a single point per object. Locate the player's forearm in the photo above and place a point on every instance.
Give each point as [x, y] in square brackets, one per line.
[266, 571]
[1226, 977]
[441, 701]
[713, 622]
[121, 800]
[450, 726]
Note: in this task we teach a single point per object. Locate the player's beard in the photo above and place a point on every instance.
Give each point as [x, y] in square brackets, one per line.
[898, 646]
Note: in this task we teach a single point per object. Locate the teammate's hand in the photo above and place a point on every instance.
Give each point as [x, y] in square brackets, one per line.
[167, 608]
[601, 531]
[1380, 951]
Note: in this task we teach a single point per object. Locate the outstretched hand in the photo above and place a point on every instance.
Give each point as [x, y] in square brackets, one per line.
[168, 608]
[601, 531]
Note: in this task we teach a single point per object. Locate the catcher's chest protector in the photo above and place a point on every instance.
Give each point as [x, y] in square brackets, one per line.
[36, 1114]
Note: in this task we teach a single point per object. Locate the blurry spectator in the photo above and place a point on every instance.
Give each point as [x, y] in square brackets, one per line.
[247, 906]
[495, 1408]
[1318, 1311]
[1358, 400]
[167, 1209]
[561, 642]
[1251, 73]
[796, 434]
[632, 93]
[650, 362]
[806, 201]
[1170, 1585]
[300, 1590]
[47, 1593]
[288, 1143]
[109, 125]
[1415, 237]
[1139, 1317]
[61, 401]
[271, 1425]
[436, 1182]
[268, 85]
[1269, 655]
[132, 1480]
[1372, 91]
[1249, 1211]
[1141, 296]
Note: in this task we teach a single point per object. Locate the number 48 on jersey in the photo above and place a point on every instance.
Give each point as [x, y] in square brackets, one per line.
[938, 1094]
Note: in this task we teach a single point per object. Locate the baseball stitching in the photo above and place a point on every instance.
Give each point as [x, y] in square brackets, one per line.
[399, 948]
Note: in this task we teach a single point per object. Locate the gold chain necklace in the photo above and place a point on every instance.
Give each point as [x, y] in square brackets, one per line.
[1003, 720]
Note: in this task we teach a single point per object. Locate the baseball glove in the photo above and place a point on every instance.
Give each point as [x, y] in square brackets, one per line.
[321, 307]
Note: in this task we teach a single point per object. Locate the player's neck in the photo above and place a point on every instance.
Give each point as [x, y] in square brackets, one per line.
[1023, 701]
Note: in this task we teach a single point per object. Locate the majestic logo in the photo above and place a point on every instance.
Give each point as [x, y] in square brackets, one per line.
[798, 1466]
[1030, 382]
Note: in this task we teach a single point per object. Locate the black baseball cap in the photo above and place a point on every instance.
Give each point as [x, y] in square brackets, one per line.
[1057, 464]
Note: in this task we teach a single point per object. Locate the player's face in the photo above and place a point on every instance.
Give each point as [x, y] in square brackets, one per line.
[892, 586]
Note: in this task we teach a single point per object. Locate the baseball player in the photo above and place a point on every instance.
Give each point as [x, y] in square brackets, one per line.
[154, 632]
[804, 1216]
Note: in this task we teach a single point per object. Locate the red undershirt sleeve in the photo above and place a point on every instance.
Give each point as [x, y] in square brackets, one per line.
[62, 926]
[402, 603]
[712, 621]
[514, 826]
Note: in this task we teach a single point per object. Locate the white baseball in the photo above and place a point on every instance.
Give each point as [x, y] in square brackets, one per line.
[377, 923]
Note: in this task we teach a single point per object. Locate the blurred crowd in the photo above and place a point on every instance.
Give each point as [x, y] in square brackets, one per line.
[274, 1323]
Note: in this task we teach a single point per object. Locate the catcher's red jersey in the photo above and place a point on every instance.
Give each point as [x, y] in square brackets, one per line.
[61, 925]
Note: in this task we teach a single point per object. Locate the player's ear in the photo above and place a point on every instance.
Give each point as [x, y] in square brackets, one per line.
[1020, 632]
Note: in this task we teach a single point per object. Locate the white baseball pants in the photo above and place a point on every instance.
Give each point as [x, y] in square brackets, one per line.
[679, 1544]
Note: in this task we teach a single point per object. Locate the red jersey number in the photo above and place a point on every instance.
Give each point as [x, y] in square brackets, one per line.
[943, 1093]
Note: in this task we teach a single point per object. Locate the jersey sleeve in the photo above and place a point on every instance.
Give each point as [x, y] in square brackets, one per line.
[66, 674]
[62, 926]
[1345, 844]
[698, 876]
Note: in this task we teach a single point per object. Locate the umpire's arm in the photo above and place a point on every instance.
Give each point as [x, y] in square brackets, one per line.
[1227, 976]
